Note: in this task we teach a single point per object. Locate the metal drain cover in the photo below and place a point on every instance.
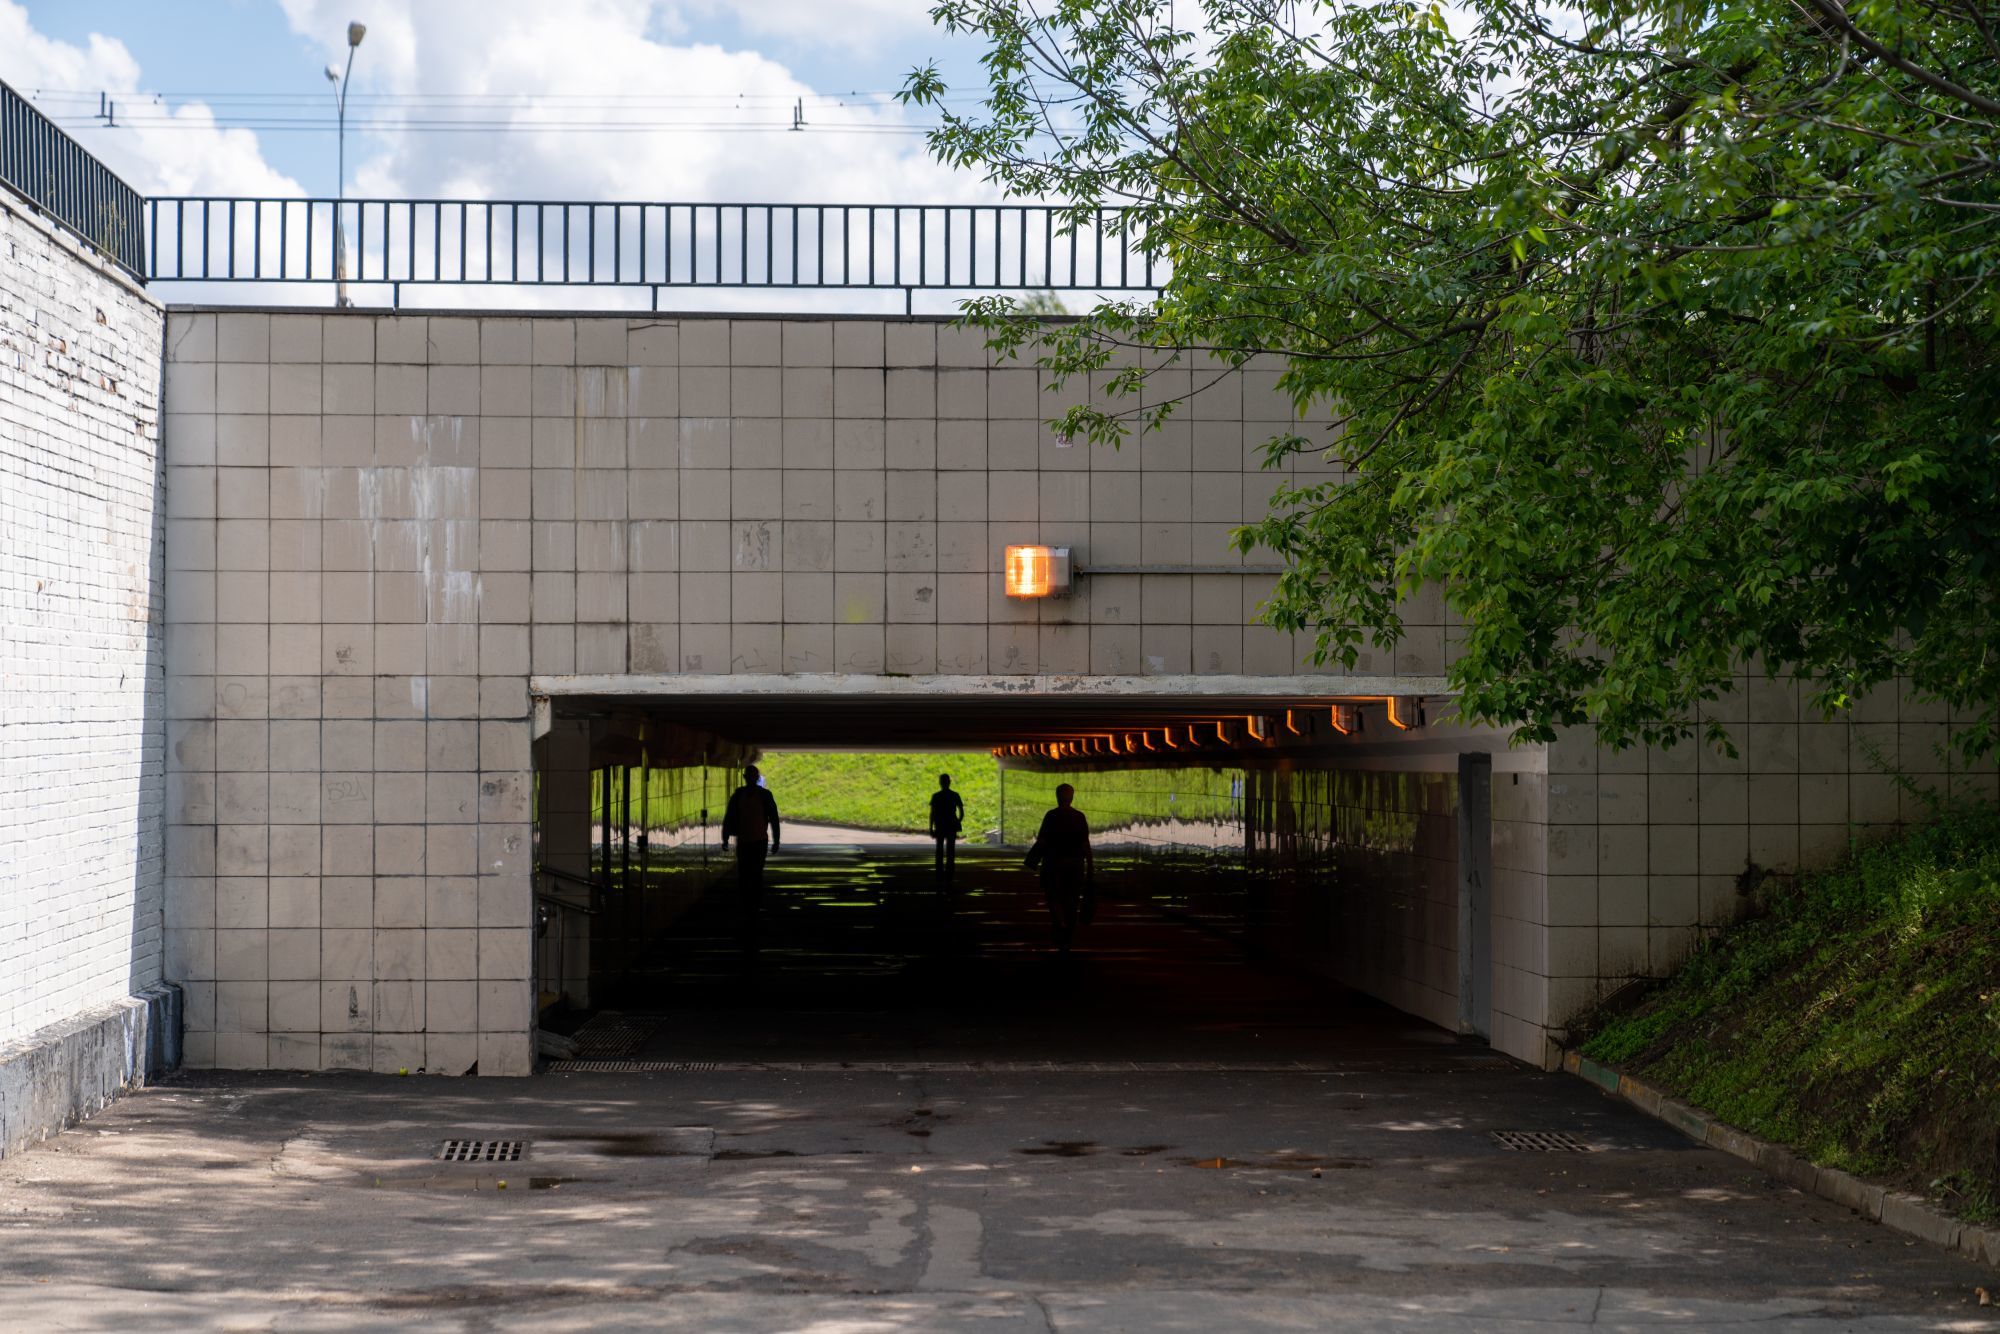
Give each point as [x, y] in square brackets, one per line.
[1539, 1141]
[482, 1150]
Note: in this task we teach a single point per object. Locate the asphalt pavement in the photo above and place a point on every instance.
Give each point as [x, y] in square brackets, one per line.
[856, 1133]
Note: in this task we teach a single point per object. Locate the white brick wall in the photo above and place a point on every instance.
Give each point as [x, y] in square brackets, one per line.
[82, 685]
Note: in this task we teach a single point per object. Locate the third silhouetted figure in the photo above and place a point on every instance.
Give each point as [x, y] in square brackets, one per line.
[1062, 852]
[947, 819]
[751, 818]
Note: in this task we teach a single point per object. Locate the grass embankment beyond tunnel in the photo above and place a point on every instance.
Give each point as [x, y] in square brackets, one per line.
[1856, 1017]
[889, 792]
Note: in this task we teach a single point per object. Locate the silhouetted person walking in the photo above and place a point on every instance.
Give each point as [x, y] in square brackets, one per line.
[947, 819]
[1062, 854]
[751, 818]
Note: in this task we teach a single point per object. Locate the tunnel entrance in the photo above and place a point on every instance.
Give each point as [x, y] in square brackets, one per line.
[1256, 867]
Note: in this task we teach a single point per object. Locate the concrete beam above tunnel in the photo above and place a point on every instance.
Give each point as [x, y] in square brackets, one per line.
[1025, 720]
[839, 684]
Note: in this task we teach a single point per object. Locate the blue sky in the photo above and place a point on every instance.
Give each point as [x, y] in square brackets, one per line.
[685, 100]
[204, 54]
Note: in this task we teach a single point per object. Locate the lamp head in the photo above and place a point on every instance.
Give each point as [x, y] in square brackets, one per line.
[355, 32]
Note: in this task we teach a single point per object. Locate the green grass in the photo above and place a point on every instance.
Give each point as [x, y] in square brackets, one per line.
[1856, 1018]
[889, 792]
[892, 792]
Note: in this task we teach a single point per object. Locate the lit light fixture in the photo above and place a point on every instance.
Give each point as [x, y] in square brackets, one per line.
[1406, 712]
[1037, 572]
[1292, 723]
[1167, 735]
[1346, 719]
[1257, 727]
[1193, 740]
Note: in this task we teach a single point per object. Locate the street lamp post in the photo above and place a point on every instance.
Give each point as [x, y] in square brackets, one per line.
[355, 32]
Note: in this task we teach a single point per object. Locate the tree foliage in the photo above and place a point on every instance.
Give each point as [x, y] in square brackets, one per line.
[1659, 336]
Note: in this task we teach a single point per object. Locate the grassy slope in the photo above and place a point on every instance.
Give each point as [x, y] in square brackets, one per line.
[1856, 1019]
[881, 791]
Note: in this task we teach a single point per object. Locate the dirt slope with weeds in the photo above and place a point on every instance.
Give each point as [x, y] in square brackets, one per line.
[1856, 1017]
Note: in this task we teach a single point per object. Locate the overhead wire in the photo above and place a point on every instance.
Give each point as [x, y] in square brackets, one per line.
[483, 113]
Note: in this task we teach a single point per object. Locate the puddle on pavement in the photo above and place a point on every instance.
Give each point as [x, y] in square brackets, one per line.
[1144, 1150]
[619, 1144]
[1282, 1162]
[1062, 1148]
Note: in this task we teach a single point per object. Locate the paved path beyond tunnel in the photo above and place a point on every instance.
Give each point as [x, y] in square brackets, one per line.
[866, 1202]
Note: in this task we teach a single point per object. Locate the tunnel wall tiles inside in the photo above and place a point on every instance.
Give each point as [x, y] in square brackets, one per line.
[82, 730]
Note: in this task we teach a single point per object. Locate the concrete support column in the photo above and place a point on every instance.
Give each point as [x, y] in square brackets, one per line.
[1475, 895]
[562, 954]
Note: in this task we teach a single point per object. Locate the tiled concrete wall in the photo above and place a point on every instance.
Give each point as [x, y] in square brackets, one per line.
[81, 718]
[1645, 849]
[381, 525]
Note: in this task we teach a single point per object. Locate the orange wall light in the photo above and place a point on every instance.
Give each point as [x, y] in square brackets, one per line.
[1037, 572]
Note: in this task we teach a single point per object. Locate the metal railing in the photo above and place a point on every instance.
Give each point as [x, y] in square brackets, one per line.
[73, 188]
[532, 243]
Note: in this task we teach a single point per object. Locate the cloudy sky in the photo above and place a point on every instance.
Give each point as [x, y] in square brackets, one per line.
[680, 99]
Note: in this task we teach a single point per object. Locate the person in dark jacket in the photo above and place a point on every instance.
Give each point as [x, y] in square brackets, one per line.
[751, 818]
[947, 819]
[1069, 872]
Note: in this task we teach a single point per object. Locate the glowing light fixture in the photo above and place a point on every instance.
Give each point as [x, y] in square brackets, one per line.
[1292, 723]
[1037, 572]
[1257, 727]
[1346, 719]
[1167, 735]
[1406, 712]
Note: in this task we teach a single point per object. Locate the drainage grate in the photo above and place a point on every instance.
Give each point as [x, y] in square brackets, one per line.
[483, 1150]
[1539, 1141]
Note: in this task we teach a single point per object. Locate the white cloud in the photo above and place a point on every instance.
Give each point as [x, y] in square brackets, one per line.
[162, 159]
[551, 53]
[853, 25]
[548, 56]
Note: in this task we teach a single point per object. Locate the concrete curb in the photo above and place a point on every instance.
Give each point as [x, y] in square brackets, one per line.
[61, 1074]
[1908, 1214]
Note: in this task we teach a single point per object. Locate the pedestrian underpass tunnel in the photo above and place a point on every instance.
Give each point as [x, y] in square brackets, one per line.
[1279, 878]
